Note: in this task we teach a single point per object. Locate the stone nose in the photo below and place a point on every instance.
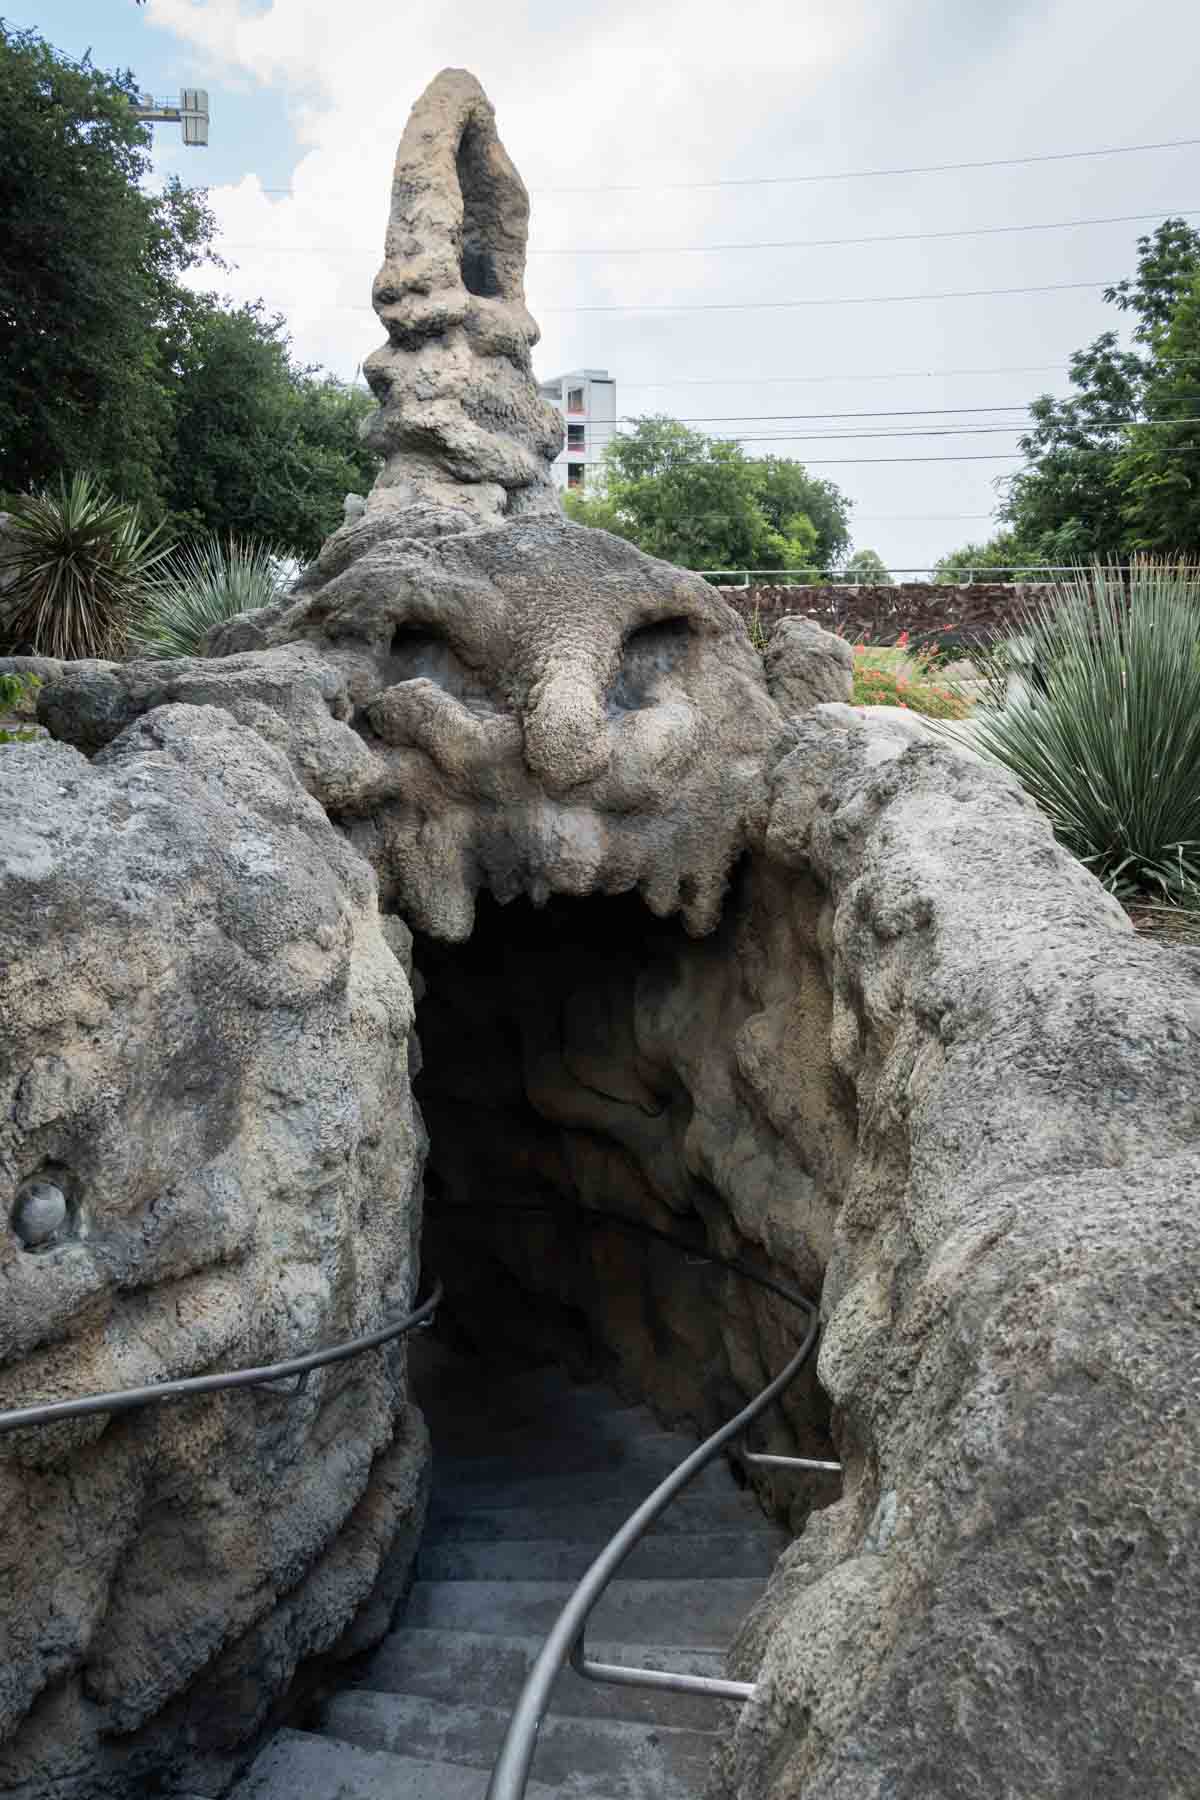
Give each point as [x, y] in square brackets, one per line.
[566, 729]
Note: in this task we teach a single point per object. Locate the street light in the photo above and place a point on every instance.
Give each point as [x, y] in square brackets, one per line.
[190, 111]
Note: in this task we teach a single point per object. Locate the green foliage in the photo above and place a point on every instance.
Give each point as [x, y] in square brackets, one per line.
[79, 562]
[88, 267]
[262, 446]
[868, 567]
[109, 363]
[901, 676]
[17, 693]
[1160, 469]
[1111, 750]
[201, 585]
[999, 559]
[702, 503]
[1095, 486]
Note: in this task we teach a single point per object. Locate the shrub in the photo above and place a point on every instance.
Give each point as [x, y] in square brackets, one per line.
[204, 583]
[1109, 743]
[78, 562]
[17, 693]
[901, 676]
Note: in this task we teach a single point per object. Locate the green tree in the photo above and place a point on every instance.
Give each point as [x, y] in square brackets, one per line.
[262, 445]
[88, 275]
[999, 559]
[1069, 502]
[701, 502]
[1098, 482]
[869, 567]
[788, 494]
[1160, 468]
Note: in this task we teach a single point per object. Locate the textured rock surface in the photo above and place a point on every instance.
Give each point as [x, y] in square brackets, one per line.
[460, 420]
[926, 1068]
[1000, 1604]
[208, 1158]
[806, 665]
[533, 709]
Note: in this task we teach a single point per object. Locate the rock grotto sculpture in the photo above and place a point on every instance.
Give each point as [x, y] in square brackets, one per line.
[824, 988]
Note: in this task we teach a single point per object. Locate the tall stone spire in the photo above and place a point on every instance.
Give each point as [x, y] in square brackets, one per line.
[460, 420]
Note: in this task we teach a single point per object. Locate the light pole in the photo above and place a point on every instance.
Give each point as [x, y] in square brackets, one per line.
[190, 111]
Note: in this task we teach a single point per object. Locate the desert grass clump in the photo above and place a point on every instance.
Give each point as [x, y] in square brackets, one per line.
[204, 583]
[78, 562]
[1108, 741]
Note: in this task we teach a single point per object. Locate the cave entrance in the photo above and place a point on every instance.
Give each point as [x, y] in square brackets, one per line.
[558, 1057]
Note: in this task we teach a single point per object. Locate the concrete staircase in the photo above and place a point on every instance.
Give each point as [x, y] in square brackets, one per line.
[531, 1476]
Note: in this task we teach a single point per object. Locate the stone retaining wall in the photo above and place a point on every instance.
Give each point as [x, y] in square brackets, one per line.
[927, 610]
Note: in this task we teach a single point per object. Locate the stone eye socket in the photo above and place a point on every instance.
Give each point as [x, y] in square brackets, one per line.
[647, 656]
[420, 653]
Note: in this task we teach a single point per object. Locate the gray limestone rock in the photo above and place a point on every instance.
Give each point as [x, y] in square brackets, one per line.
[209, 1157]
[532, 709]
[806, 665]
[460, 420]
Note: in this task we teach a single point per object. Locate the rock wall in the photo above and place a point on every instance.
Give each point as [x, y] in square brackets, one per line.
[924, 1068]
[208, 1158]
[955, 615]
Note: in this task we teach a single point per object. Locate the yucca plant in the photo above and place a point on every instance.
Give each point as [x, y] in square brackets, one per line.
[204, 583]
[1109, 745]
[78, 562]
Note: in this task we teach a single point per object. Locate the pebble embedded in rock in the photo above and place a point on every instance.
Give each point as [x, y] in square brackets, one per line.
[40, 1212]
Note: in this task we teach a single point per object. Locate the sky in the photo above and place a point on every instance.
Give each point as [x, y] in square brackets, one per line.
[697, 157]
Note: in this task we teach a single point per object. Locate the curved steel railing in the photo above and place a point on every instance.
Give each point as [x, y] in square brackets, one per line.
[565, 1642]
[126, 1399]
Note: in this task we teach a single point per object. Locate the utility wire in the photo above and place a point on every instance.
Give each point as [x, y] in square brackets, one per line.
[997, 162]
[902, 431]
[1050, 287]
[896, 237]
[814, 380]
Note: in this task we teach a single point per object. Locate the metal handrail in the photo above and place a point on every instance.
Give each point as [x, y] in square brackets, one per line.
[511, 1770]
[127, 1399]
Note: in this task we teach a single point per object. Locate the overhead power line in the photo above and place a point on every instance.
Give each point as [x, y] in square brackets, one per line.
[1049, 287]
[895, 237]
[738, 181]
[898, 431]
[821, 380]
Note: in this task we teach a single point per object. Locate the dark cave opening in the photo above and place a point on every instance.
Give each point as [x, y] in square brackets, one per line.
[552, 1104]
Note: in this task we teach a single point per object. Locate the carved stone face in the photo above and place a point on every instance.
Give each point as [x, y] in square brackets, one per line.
[546, 710]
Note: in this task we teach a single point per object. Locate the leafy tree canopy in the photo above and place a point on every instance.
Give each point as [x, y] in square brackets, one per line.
[112, 364]
[703, 503]
[868, 566]
[1100, 480]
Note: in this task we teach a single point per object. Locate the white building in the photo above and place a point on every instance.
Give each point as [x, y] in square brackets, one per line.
[587, 399]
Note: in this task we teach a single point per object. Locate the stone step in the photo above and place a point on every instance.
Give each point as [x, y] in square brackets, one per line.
[593, 1523]
[702, 1613]
[617, 1758]
[631, 1483]
[302, 1765]
[486, 1668]
[658, 1451]
[691, 1555]
[462, 1437]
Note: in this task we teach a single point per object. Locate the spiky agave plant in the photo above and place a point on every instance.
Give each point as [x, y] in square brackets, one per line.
[204, 583]
[78, 562]
[1110, 749]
